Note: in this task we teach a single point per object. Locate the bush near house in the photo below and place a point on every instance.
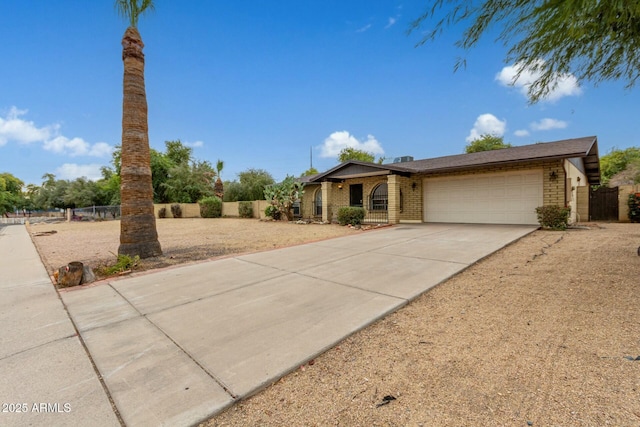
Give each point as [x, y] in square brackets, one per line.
[634, 207]
[553, 217]
[210, 207]
[162, 213]
[350, 215]
[245, 209]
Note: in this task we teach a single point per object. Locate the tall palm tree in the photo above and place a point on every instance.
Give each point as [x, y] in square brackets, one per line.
[138, 234]
[218, 187]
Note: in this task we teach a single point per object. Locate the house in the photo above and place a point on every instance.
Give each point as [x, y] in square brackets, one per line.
[494, 187]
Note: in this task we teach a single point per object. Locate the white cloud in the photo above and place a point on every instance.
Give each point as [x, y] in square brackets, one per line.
[194, 144]
[567, 83]
[548, 124]
[391, 22]
[363, 29]
[487, 124]
[72, 171]
[521, 132]
[340, 140]
[77, 147]
[13, 128]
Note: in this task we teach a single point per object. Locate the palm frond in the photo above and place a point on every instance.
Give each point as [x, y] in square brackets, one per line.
[131, 10]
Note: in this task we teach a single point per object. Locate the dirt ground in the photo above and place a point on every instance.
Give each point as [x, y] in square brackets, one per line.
[544, 332]
[182, 240]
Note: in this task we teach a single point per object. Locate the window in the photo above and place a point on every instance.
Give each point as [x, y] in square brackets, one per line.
[355, 195]
[379, 198]
[317, 203]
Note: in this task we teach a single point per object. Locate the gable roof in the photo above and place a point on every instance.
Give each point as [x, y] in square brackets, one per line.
[585, 148]
[356, 169]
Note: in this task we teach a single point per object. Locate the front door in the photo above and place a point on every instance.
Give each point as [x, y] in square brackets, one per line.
[355, 195]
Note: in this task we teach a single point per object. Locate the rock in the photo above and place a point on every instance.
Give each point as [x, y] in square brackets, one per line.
[70, 275]
[87, 275]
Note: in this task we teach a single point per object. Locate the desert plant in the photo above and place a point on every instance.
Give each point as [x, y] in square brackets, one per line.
[553, 217]
[123, 263]
[210, 207]
[176, 211]
[245, 209]
[634, 207]
[162, 213]
[283, 195]
[350, 215]
[272, 212]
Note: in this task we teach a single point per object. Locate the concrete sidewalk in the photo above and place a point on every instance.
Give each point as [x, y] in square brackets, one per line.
[46, 376]
[176, 346]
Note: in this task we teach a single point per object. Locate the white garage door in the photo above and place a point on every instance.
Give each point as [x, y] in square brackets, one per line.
[497, 198]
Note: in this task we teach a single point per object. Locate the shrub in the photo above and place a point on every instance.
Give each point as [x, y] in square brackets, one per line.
[634, 207]
[350, 215]
[176, 211]
[273, 212]
[245, 209]
[553, 217]
[123, 263]
[210, 207]
[162, 213]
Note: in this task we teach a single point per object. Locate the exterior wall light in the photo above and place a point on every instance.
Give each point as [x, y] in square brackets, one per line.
[553, 176]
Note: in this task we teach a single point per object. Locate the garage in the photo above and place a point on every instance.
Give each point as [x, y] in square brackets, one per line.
[495, 198]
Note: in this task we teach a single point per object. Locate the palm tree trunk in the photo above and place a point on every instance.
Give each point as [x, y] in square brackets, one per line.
[138, 235]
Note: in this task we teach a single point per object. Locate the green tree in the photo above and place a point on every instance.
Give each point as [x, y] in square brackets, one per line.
[617, 161]
[108, 188]
[138, 234]
[81, 193]
[252, 184]
[188, 183]
[486, 142]
[591, 39]
[51, 193]
[232, 191]
[10, 193]
[178, 153]
[218, 187]
[160, 167]
[310, 171]
[350, 153]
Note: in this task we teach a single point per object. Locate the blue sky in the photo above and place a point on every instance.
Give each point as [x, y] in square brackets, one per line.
[262, 84]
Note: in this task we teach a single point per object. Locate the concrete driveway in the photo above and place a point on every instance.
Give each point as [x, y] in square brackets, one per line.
[175, 347]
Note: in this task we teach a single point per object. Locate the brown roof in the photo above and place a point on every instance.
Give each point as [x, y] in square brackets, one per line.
[585, 148]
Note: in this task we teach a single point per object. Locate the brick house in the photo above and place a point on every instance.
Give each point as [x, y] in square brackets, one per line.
[495, 187]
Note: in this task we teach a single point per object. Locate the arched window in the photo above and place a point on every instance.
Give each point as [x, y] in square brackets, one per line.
[379, 198]
[317, 202]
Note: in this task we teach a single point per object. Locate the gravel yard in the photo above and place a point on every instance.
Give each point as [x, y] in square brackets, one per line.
[543, 332]
[182, 240]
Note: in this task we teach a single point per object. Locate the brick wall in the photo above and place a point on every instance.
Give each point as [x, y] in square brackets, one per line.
[411, 198]
[308, 199]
